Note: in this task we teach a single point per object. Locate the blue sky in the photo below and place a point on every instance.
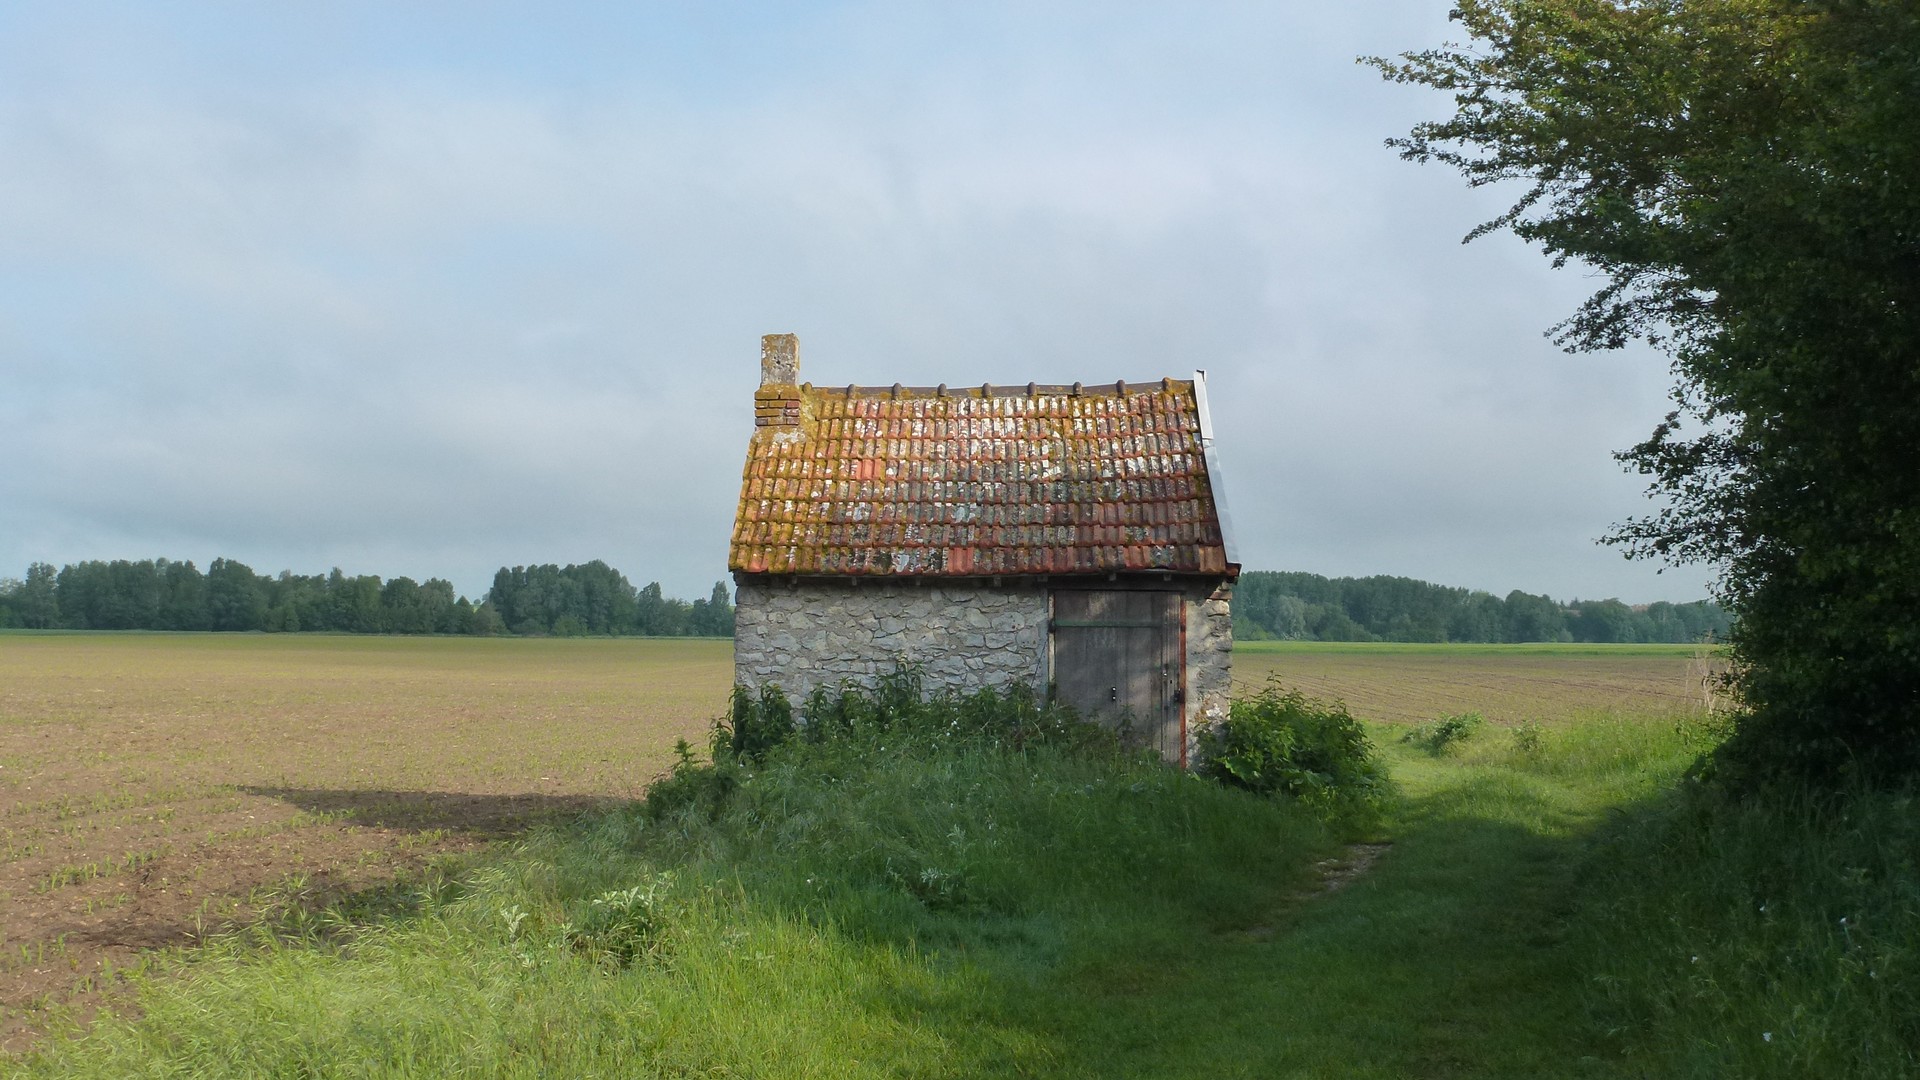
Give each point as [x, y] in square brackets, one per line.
[435, 289]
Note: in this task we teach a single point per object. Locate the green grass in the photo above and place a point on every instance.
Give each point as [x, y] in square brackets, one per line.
[1781, 939]
[946, 908]
[920, 909]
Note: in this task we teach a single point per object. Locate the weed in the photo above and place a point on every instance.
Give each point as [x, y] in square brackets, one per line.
[754, 724]
[1446, 733]
[70, 874]
[1529, 738]
[620, 925]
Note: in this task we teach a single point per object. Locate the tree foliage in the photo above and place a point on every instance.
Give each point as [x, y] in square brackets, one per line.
[1742, 175]
[1308, 607]
[160, 594]
[596, 599]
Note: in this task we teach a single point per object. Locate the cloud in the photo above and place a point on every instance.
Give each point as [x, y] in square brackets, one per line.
[381, 308]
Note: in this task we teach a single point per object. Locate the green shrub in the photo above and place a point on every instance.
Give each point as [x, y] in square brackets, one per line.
[1282, 743]
[621, 925]
[1447, 732]
[852, 721]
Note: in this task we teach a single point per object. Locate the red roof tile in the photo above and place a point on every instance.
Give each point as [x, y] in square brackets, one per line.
[897, 482]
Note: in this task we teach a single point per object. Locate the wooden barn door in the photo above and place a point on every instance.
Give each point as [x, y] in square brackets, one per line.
[1119, 657]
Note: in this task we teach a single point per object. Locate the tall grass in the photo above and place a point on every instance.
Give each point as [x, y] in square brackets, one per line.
[943, 890]
[1776, 937]
[1714, 936]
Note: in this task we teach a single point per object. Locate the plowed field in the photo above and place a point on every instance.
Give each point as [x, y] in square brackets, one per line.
[154, 788]
[1508, 684]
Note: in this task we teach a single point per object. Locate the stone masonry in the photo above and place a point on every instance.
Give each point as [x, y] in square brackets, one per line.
[963, 637]
[1209, 656]
[799, 636]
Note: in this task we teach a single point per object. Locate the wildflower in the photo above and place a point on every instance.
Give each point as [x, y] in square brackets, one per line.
[1766, 1036]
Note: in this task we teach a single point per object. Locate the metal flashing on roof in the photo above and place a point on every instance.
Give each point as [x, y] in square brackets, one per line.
[1214, 475]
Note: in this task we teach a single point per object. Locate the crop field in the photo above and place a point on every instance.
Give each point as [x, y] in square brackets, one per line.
[155, 788]
[1508, 684]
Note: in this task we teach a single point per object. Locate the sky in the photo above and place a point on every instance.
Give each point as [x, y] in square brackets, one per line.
[432, 289]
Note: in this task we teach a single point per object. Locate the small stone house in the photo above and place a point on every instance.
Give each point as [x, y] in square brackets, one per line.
[1067, 537]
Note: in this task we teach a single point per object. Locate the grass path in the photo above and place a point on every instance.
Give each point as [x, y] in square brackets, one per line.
[1446, 958]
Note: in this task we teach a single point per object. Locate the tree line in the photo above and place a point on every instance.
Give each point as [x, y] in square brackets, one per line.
[1308, 607]
[162, 594]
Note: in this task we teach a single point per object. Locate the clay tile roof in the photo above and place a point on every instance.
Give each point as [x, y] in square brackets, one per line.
[931, 482]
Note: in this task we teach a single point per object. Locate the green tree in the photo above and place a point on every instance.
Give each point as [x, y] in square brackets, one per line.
[1481, 618]
[1603, 620]
[37, 602]
[1744, 176]
[9, 591]
[183, 601]
[117, 595]
[236, 596]
[485, 621]
[658, 616]
[440, 607]
[355, 603]
[401, 611]
[297, 602]
[712, 617]
[1534, 618]
[1288, 615]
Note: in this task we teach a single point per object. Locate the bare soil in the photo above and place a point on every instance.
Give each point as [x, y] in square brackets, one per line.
[155, 789]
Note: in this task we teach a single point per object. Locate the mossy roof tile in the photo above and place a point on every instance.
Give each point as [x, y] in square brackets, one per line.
[899, 482]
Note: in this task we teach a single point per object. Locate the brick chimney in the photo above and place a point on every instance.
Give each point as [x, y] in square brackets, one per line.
[777, 402]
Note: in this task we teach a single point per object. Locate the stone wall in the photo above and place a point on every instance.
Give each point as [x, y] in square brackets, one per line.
[800, 636]
[812, 634]
[1209, 657]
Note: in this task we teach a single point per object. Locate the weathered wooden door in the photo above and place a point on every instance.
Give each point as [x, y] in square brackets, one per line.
[1118, 657]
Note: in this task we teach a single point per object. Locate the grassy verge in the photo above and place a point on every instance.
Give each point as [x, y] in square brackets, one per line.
[921, 900]
[894, 902]
[1741, 938]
